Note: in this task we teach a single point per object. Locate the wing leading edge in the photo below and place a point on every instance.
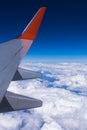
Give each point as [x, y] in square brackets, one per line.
[11, 53]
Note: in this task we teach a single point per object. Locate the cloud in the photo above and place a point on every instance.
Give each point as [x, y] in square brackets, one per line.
[62, 88]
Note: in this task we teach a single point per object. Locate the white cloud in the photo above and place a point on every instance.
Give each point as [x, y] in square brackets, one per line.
[63, 108]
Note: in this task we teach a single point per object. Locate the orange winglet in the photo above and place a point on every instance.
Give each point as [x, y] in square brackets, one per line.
[32, 29]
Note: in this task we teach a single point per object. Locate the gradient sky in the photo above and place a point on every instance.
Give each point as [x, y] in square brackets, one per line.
[63, 32]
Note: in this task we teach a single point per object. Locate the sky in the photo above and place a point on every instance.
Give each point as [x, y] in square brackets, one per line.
[63, 32]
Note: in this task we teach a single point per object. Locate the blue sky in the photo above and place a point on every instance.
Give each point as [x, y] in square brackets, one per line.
[63, 33]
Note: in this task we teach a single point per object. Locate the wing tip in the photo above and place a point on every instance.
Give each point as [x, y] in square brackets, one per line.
[32, 28]
[43, 7]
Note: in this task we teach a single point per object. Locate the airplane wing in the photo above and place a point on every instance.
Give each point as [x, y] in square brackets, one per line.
[11, 53]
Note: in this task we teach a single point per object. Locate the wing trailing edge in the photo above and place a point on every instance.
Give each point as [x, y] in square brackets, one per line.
[14, 102]
[24, 74]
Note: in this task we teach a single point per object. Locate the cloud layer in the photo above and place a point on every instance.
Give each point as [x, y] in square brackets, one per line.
[63, 90]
